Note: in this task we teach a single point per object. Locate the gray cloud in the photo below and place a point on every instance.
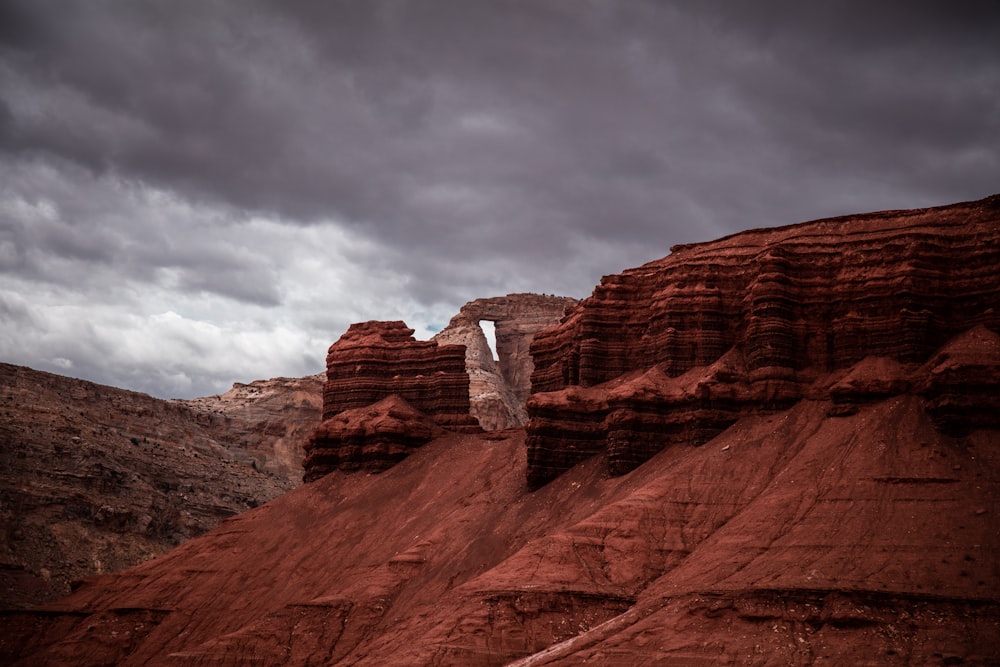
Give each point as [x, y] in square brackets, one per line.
[284, 168]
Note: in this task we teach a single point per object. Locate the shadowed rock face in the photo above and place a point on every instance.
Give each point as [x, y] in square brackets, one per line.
[840, 510]
[679, 349]
[499, 388]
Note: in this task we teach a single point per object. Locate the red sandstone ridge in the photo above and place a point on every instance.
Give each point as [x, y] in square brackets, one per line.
[369, 363]
[677, 350]
[840, 509]
[500, 387]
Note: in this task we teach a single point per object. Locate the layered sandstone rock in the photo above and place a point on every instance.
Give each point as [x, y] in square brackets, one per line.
[270, 417]
[792, 537]
[961, 382]
[777, 308]
[500, 387]
[491, 400]
[96, 479]
[372, 438]
[373, 361]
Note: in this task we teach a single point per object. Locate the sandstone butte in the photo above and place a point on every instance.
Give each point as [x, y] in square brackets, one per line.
[778, 448]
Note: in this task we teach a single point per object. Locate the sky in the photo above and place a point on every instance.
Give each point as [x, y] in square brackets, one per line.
[195, 193]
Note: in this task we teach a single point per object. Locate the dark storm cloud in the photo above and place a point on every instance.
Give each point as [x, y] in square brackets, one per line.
[444, 150]
[588, 113]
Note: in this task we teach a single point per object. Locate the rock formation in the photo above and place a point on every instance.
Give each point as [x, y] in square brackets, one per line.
[371, 362]
[97, 479]
[373, 438]
[840, 509]
[500, 387]
[679, 349]
[194, 462]
[269, 419]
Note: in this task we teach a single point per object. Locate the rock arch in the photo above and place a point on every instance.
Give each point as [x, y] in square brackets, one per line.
[499, 389]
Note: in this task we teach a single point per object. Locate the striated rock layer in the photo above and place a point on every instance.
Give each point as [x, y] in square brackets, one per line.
[500, 387]
[272, 417]
[678, 349]
[791, 538]
[373, 361]
[372, 438]
[96, 479]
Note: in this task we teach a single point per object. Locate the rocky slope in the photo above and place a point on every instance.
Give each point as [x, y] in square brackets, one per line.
[840, 508]
[269, 419]
[200, 460]
[96, 479]
[499, 388]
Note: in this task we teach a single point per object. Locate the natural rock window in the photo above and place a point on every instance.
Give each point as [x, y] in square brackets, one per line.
[490, 331]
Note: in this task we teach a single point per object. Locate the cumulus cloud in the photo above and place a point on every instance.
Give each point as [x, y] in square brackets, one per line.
[196, 193]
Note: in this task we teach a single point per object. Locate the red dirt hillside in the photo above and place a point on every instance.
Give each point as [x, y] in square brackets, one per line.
[779, 448]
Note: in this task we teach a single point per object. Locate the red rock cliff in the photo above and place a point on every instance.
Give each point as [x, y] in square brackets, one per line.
[370, 362]
[677, 349]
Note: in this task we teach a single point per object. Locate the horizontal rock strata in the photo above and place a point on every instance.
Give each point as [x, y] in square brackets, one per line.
[95, 479]
[373, 361]
[791, 538]
[783, 305]
[844, 513]
[962, 383]
[373, 438]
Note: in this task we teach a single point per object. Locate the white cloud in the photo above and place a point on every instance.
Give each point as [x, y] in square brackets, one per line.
[181, 299]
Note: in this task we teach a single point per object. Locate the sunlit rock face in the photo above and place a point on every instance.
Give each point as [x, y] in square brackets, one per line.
[499, 388]
[676, 350]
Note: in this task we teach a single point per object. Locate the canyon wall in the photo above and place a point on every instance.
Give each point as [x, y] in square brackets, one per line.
[97, 479]
[129, 477]
[678, 349]
[499, 388]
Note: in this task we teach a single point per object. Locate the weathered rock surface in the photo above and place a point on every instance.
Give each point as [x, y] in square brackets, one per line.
[491, 399]
[97, 479]
[270, 419]
[375, 359]
[372, 439]
[962, 382]
[791, 538]
[841, 512]
[678, 349]
[500, 387]
[371, 362]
